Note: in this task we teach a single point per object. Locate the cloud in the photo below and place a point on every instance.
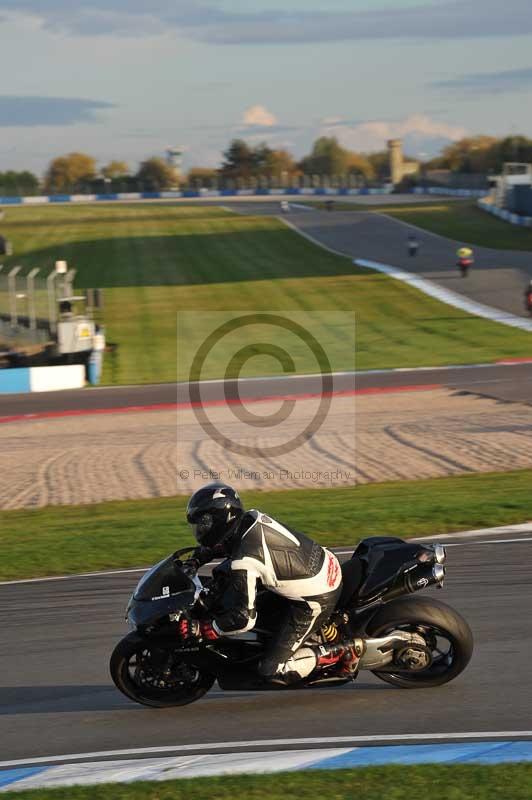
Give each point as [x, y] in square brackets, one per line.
[259, 117]
[511, 80]
[33, 111]
[419, 133]
[207, 21]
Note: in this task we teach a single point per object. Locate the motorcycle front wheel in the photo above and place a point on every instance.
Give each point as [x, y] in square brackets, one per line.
[447, 634]
[151, 677]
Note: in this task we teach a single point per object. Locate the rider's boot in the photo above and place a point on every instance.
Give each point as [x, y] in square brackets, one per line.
[346, 655]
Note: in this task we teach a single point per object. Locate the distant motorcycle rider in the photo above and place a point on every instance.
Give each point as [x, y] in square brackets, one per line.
[285, 562]
[528, 298]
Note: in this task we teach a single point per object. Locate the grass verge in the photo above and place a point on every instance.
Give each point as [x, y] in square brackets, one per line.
[461, 221]
[457, 782]
[391, 324]
[157, 261]
[465, 222]
[64, 539]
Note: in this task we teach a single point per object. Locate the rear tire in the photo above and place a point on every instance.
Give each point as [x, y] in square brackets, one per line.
[135, 675]
[443, 621]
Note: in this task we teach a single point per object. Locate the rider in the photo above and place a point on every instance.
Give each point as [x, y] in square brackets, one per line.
[286, 562]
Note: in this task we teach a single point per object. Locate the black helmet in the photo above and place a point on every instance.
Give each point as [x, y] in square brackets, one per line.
[214, 512]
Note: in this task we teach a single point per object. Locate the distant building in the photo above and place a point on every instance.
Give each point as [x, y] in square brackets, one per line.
[174, 159]
[399, 168]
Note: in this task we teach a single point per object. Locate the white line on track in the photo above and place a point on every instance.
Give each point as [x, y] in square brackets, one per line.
[356, 740]
[522, 527]
[302, 207]
[507, 529]
[76, 575]
[310, 238]
[341, 373]
[489, 541]
[472, 543]
[454, 299]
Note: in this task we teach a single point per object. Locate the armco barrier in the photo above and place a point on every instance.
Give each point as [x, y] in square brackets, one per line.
[42, 379]
[187, 193]
[507, 216]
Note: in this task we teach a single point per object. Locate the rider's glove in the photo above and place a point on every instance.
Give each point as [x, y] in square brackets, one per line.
[202, 555]
[191, 566]
[194, 629]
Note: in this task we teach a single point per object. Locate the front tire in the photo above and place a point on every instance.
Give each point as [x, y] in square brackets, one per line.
[437, 622]
[138, 671]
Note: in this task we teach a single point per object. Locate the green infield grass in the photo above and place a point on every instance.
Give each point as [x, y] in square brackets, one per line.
[455, 782]
[64, 539]
[157, 261]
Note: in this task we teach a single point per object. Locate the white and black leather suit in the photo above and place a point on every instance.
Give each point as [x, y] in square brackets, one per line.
[285, 562]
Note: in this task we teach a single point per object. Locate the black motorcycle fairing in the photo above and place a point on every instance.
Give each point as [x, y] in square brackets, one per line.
[141, 613]
[163, 580]
[164, 589]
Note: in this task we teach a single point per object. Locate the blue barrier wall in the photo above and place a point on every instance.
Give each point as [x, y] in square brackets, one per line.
[14, 380]
[187, 193]
[507, 216]
[42, 379]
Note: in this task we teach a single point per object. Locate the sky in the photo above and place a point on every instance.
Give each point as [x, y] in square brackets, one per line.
[128, 78]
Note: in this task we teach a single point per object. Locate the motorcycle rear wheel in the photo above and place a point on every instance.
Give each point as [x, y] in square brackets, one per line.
[136, 673]
[439, 623]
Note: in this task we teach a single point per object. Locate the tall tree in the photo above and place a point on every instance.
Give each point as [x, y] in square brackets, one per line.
[18, 183]
[238, 160]
[69, 173]
[512, 148]
[380, 164]
[115, 169]
[470, 154]
[327, 157]
[274, 163]
[155, 175]
[359, 165]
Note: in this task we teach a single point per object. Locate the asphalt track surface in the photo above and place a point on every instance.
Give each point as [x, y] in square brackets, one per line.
[56, 696]
[506, 382]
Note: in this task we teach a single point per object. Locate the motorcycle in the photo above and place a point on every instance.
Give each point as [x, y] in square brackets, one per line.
[407, 641]
[464, 265]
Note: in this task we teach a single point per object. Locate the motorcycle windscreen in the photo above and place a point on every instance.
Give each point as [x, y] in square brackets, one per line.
[162, 581]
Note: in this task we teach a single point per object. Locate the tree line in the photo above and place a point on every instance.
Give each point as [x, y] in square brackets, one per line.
[260, 165]
[242, 164]
[483, 154]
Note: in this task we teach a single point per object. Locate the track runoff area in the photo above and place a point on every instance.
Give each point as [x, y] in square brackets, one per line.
[483, 717]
